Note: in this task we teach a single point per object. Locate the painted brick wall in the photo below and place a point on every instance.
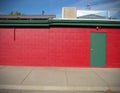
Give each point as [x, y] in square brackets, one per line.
[55, 46]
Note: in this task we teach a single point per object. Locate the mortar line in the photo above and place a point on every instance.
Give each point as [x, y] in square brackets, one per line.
[26, 76]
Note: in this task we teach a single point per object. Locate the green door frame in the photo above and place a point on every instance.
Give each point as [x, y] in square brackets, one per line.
[97, 49]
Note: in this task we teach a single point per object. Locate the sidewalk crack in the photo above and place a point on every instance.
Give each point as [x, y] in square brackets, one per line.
[66, 78]
[27, 76]
[101, 78]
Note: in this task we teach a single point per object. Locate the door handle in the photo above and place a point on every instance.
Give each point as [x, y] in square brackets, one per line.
[91, 49]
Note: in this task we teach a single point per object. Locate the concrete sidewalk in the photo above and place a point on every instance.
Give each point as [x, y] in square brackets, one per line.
[16, 79]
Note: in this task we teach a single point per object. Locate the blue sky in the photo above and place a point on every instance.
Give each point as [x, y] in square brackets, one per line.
[31, 7]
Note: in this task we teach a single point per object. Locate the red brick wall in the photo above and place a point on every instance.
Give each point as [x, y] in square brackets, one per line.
[56, 46]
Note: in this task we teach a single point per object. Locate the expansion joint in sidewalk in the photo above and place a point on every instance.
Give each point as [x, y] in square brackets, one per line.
[101, 78]
[27, 75]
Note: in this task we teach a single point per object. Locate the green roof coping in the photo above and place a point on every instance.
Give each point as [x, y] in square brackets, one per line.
[59, 22]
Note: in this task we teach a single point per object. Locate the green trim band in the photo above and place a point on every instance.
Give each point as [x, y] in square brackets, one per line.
[60, 22]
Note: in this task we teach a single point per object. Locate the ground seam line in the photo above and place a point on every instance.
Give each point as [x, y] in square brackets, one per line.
[101, 78]
[27, 76]
[66, 77]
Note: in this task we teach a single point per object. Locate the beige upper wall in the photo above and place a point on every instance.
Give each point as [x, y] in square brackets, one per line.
[69, 12]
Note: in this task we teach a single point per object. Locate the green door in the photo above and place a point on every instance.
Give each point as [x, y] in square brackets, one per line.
[98, 49]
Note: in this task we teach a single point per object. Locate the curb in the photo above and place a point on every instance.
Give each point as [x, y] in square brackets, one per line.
[57, 88]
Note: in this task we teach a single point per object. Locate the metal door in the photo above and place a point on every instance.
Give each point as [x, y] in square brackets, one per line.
[98, 49]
